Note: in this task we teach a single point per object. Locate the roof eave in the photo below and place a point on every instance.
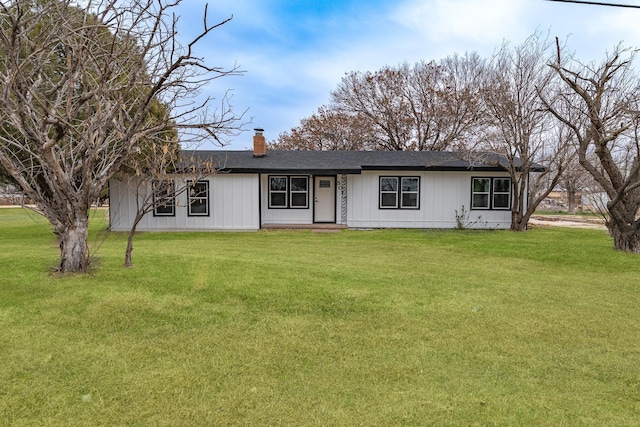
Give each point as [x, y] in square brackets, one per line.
[290, 171]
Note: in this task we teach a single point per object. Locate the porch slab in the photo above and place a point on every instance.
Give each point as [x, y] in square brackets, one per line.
[326, 228]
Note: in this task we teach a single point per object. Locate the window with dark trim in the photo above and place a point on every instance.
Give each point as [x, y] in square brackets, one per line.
[491, 193]
[278, 190]
[164, 199]
[388, 192]
[399, 192]
[501, 193]
[288, 192]
[299, 192]
[198, 198]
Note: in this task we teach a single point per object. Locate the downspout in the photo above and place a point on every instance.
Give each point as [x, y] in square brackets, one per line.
[526, 207]
[259, 201]
[109, 198]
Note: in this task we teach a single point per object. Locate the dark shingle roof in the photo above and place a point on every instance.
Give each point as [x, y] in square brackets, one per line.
[331, 162]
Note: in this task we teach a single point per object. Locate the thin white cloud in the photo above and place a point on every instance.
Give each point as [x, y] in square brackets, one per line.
[473, 21]
[613, 27]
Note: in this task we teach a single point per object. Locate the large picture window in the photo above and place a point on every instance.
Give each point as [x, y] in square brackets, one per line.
[164, 199]
[288, 192]
[399, 192]
[491, 193]
[198, 198]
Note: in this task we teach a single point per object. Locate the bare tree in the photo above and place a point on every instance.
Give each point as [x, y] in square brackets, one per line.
[157, 176]
[574, 180]
[521, 129]
[445, 103]
[377, 96]
[328, 129]
[607, 98]
[78, 81]
[430, 106]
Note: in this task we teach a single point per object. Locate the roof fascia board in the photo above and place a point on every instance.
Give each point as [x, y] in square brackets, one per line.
[292, 171]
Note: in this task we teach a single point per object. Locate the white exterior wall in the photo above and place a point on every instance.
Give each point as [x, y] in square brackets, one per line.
[441, 195]
[233, 205]
[282, 215]
[235, 201]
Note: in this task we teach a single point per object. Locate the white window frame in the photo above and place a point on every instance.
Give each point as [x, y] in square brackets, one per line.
[398, 192]
[201, 196]
[498, 193]
[385, 192]
[164, 196]
[403, 192]
[474, 193]
[285, 192]
[288, 192]
[491, 194]
[305, 192]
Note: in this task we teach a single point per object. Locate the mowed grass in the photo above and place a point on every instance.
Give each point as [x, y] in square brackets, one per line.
[404, 327]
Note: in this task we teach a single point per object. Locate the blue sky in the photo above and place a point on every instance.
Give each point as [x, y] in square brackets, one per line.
[294, 53]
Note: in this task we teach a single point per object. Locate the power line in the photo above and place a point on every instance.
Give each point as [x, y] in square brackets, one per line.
[599, 3]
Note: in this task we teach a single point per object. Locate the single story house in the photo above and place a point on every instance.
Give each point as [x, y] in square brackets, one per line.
[353, 189]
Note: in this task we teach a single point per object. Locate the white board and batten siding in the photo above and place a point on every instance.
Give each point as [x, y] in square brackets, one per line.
[240, 202]
[233, 206]
[441, 195]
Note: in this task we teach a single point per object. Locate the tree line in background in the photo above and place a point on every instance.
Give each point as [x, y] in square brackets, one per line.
[535, 103]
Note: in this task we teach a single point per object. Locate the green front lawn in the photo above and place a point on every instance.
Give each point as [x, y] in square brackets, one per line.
[406, 327]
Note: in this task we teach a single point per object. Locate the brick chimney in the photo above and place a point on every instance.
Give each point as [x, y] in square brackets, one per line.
[259, 144]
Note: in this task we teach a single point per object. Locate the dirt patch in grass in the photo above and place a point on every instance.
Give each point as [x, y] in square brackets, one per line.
[573, 221]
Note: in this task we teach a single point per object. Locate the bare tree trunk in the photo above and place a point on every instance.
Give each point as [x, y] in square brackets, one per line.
[127, 254]
[128, 262]
[516, 210]
[524, 204]
[571, 199]
[74, 249]
[519, 221]
[625, 237]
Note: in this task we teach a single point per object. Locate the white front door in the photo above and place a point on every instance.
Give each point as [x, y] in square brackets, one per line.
[324, 209]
